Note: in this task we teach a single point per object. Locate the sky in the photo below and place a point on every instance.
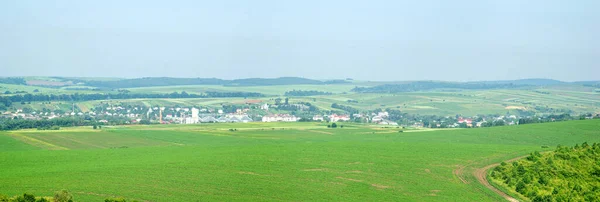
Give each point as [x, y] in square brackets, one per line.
[459, 40]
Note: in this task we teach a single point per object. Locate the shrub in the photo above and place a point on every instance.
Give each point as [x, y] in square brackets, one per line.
[63, 196]
[3, 198]
[334, 125]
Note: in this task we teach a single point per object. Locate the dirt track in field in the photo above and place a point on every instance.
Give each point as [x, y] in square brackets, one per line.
[481, 175]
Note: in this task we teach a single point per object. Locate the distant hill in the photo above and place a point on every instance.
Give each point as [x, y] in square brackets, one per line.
[589, 83]
[272, 82]
[168, 81]
[113, 83]
[532, 82]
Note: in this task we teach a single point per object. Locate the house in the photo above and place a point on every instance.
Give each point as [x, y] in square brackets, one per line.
[336, 118]
[265, 107]
[222, 119]
[317, 118]
[208, 119]
[246, 119]
[383, 114]
[388, 122]
[467, 121]
[376, 119]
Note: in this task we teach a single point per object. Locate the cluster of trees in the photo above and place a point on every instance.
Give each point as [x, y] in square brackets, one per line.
[56, 123]
[431, 85]
[7, 101]
[306, 93]
[13, 80]
[549, 118]
[59, 196]
[348, 109]
[566, 174]
[16, 92]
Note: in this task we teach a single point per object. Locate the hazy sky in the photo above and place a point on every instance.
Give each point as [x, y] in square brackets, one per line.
[454, 40]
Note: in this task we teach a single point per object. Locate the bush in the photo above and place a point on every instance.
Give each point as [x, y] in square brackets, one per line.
[334, 125]
[26, 198]
[63, 196]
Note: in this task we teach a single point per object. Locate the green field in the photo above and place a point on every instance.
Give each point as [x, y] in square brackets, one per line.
[269, 161]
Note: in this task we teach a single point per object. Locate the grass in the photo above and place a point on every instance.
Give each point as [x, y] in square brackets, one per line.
[269, 161]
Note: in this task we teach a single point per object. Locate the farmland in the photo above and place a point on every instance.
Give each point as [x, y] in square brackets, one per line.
[544, 99]
[270, 161]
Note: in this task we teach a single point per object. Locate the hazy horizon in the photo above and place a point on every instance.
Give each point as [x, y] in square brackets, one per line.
[371, 41]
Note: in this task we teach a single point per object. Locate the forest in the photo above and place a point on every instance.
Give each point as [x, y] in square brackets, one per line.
[565, 174]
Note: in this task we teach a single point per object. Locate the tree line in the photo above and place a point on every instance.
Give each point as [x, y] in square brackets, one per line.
[306, 93]
[7, 101]
[56, 123]
[348, 109]
[13, 80]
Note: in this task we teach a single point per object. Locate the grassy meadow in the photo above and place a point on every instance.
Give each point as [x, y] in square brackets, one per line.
[270, 161]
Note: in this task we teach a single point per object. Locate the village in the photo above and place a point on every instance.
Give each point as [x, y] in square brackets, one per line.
[257, 112]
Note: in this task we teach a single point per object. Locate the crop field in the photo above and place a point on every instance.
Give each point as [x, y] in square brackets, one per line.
[270, 161]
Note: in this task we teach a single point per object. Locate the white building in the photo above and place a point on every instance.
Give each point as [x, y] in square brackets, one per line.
[265, 107]
[280, 118]
[195, 118]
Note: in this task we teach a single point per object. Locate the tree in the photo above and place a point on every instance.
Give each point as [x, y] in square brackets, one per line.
[287, 101]
[334, 125]
[277, 101]
[36, 91]
[95, 127]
